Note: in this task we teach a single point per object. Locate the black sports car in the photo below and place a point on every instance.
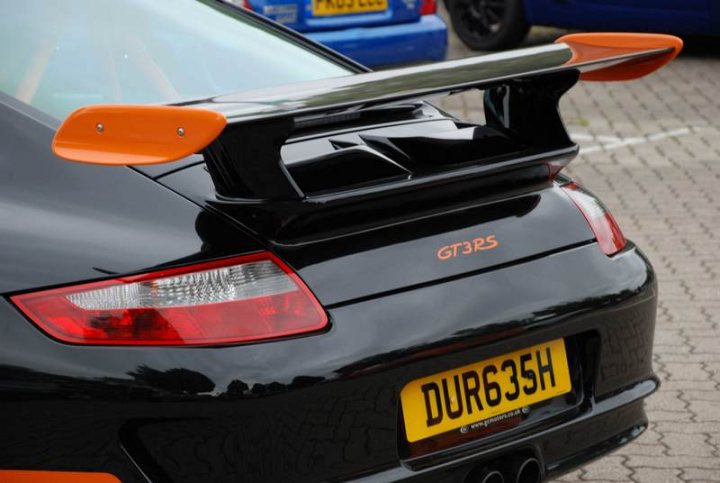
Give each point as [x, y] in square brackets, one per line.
[319, 277]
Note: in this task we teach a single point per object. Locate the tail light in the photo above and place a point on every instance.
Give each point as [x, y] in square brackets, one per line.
[428, 7]
[249, 298]
[240, 3]
[606, 230]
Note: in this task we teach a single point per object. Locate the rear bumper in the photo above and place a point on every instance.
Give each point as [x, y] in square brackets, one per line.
[326, 407]
[425, 40]
[609, 425]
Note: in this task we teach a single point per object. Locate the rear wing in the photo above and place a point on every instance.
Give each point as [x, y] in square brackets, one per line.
[240, 135]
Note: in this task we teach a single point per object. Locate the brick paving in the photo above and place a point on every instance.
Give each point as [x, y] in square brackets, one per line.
[651, 150]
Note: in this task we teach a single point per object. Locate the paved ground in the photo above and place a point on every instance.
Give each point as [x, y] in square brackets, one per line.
[651, 150]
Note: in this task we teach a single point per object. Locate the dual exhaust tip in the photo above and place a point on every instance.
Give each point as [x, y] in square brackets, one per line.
[518, 470]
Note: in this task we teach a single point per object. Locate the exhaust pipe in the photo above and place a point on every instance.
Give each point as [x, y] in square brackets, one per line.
[526, 470]
[493, 476]
[485, 475]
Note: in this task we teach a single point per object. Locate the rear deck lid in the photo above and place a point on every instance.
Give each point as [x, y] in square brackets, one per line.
[438, 248]
[425, 236]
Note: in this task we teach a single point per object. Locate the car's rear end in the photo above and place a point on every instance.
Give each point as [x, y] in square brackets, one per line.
[415, 291]
[516, 271]
[371, 32]
[346, 285]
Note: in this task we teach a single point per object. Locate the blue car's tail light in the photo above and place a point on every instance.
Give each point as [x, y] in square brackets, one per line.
[428, 7]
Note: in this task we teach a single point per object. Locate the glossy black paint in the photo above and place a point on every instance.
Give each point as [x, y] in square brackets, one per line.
[326, 406]
[66, 222]
[403, 252]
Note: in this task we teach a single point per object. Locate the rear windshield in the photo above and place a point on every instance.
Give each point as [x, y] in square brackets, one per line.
[58, 55]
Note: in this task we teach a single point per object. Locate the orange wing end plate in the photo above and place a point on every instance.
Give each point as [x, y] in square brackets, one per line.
[29, 476]
[587, 47]
[135, 135]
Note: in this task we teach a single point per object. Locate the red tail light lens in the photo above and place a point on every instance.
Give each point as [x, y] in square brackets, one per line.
[428, 7]
[606, 230]
[250, 298]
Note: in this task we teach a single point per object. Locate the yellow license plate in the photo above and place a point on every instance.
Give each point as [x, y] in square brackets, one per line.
[476, 392]
[343, 7]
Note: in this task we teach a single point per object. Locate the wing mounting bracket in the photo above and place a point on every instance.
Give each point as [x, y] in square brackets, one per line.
[245, 162]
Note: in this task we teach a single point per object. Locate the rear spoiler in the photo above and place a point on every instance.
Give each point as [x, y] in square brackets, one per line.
[240, 135]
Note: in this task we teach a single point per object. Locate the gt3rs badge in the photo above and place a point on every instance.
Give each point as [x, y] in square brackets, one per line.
[467, 247]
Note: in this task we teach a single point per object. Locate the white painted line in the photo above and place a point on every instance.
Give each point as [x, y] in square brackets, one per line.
[582, 136]
[607, 143]
[608, 139]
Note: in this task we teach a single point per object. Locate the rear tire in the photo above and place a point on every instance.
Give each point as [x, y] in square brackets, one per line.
[489, 24]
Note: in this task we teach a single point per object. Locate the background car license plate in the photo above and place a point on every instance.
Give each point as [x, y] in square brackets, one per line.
[342, 7]
[459, 397]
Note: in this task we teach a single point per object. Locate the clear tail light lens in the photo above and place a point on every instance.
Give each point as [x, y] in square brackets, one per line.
[428, 7]
[603, 224]
[249, 298]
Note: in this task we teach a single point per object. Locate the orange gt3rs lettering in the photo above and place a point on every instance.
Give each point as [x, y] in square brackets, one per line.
[467, 247]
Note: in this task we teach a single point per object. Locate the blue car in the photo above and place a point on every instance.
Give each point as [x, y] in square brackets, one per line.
[371, 32]
[502, 24]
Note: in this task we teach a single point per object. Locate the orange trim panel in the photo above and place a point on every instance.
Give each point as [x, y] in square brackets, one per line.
[29, 476]
[135, 135]
[589, 47]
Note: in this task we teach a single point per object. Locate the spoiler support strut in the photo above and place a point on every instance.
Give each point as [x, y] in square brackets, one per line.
[245, 162]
